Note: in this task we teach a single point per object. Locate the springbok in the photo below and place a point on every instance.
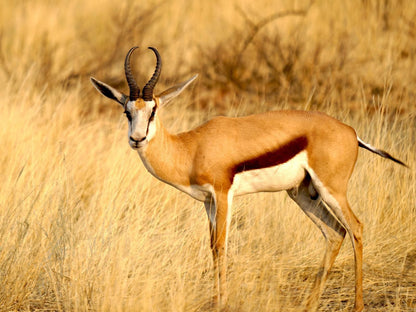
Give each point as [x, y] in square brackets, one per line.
[308, 154]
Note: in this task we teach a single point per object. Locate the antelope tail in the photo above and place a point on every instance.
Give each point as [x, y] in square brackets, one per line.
[382, 153]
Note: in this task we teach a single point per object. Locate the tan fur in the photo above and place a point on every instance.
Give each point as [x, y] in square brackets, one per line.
[139, 104]
[313, 153]
[205, 153]
[204, 156]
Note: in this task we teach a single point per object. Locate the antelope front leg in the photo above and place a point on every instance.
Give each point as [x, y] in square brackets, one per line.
[220, 272]
[217, 210]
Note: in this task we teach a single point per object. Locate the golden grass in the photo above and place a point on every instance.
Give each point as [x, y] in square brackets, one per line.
[83, 226]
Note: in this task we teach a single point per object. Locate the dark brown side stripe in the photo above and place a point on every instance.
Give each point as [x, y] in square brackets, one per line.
[273, 158]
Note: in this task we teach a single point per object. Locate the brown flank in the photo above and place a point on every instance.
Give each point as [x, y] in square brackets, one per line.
[272, 158]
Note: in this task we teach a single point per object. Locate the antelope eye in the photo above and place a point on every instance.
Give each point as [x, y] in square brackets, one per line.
[128, 115]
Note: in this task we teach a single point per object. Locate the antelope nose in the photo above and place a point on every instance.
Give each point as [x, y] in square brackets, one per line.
[137, 140]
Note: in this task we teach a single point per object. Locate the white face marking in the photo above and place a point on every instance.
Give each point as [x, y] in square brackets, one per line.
[278, 178]
[142, 127]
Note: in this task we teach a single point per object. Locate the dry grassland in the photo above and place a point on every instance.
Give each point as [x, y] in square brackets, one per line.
[84, 227]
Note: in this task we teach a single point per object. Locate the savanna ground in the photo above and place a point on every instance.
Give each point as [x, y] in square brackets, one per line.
[84, 227]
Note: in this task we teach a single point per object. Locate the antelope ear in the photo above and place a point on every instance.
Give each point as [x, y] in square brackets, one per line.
[109, 91]
[174, 91]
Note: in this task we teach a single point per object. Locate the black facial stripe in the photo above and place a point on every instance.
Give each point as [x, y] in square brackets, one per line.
[152, 116]
[128, 115]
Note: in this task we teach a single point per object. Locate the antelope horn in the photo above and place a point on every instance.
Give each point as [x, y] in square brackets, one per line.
[148, 88]
[134, 89]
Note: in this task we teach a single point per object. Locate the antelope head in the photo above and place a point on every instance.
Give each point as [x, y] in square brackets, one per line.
[141, 109]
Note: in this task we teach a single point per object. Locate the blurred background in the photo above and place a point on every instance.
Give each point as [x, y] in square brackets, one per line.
[83, 226]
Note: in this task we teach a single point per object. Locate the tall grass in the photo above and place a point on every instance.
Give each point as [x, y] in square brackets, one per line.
[83, 226]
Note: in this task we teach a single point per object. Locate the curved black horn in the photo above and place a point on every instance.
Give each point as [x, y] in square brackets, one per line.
[134, 89]
[148, 88]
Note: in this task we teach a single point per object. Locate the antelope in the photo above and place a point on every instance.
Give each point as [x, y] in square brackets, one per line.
[309, 154]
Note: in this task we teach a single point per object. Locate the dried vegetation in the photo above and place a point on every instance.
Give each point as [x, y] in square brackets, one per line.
[83, 226]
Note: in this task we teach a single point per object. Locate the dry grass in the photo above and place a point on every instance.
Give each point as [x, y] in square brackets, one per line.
[84, 227]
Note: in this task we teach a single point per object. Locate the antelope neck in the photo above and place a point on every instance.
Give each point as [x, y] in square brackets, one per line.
[164, 155]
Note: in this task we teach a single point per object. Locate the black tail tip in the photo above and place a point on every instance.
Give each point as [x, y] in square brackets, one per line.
[396, 160]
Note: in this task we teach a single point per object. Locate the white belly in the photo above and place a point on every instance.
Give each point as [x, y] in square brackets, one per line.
[272, 179]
